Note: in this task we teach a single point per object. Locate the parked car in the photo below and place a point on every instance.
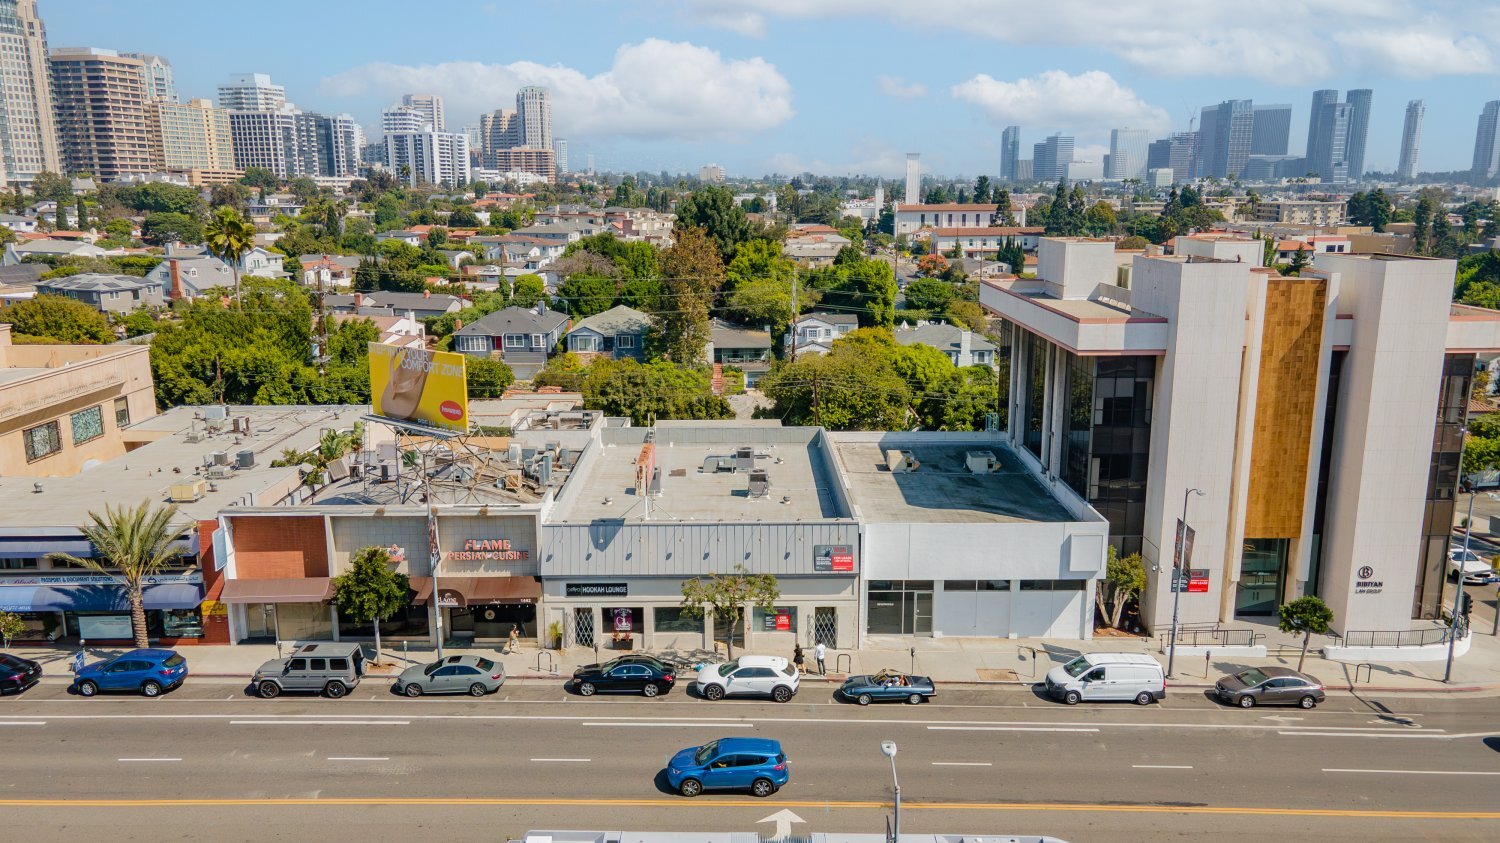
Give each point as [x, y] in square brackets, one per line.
[766, 676]
[887, 686]
[1269, 686]
[472, 675]
[18, 674]
[754, 764]
[148, 671]
[1476, 570]
[1108, 676]
[334, 669]
[637, 674]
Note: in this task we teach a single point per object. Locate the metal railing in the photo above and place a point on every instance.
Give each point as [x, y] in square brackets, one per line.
[1213, 637]
[1402, 637]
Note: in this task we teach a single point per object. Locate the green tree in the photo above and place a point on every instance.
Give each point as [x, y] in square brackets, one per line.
[81, 209]
[437, 238]
[162, 198]
[54, 186]
[11, 628]
[1004, 215]
[585, 295]
[848, 388]
[463, 217]
[260, 177]
[372, 590]
[758, 285]
[488, 378]
[119, 229]
[1421, 225]
[649, 391]
[982, 190]
[692, 273]
[1124, 580]
[132, 543]
[714, 210]
[57, 319]
[729, 596]
[1308, 615]
[230, 236]
[930, 294]
[169, 226]
[529, 289]
[138, 322]
[1301, 259]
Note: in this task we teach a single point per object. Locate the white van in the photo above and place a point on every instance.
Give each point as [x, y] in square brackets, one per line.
[1108, 676]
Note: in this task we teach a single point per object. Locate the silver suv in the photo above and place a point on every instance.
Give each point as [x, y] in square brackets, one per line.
[330, 668]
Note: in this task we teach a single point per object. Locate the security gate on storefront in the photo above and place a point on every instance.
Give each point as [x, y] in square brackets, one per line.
[825, 626]
[583, 627]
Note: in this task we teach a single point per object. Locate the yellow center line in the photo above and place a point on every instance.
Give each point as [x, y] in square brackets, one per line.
[743, 803]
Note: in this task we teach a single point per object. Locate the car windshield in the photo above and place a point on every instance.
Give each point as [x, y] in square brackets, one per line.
[705, 752]
[610, 665]
[1077, 666]
[484, 664]
[427, 671]
[1253, 676]
[729, 667]
[174, 660]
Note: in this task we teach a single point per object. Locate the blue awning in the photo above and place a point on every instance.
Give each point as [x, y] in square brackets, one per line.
[96, 598]
[12, 547]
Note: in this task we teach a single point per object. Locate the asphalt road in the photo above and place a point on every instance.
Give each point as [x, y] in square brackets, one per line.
[206, 762]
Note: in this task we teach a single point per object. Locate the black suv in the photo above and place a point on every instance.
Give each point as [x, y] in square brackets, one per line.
[637, 674]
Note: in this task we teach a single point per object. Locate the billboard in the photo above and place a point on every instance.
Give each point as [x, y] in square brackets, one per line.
[833, 558]
[427, 388]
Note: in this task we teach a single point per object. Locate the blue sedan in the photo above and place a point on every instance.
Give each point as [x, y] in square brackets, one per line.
[149, 672]
[888, 686]
[754, 764]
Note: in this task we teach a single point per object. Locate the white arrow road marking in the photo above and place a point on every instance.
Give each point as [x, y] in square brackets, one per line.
[783, 819]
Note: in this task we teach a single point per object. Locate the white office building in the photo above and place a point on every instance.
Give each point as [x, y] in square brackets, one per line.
[251, 92]
[428, 157]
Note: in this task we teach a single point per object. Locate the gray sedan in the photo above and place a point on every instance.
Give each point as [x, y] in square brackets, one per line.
[1269, 686]
[472, 675]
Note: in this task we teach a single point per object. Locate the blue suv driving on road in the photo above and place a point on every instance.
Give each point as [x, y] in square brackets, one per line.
[148, 671]
[754, 764]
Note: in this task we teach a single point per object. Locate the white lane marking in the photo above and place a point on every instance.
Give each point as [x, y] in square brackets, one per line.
[1429, 734]
[320, 722]
[560, 760]
[148, 759]
[1161, 766]
[357, 758]
[1418, 772]
[962, 764]
[1008, 729]
[694, 725]
[26, 723]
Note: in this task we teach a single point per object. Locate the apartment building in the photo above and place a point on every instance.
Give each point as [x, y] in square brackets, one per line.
[190, 136]
[156, 75]
[1312, 212]
[251, 92]
[100, 100]
[293, 143]
[428, 157]
[521, 140]
[28, 132]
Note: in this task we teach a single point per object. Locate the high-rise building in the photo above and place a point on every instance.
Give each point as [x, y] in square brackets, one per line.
[560, 154]
[189, 136]
[251, 92]
[1051, 158]
[498, 130]
[1315, 126]
[1127, 154]
[534, 105]
[1159, 155]
[1010, 152]
[1272, 130]
[913, 178]
[1487, 142]
[281, 141]
[156, 71]
[526, 159]
[28, 131]
[528, 127]
[1359, 129]
[430, 106]
[339, 142]
[1183, 146]
[429, 157]
[1224, 134]
[100, 100]
[1329, 158]
[711, 173]
[1411, 140]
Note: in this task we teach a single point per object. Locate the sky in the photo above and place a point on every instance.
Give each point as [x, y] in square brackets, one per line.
[836, 87]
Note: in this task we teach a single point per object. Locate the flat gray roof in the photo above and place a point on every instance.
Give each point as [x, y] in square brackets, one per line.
[942, 489]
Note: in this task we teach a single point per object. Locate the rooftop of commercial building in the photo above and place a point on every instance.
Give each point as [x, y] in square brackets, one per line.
[942, 487]
[464, 471]
[701, 479]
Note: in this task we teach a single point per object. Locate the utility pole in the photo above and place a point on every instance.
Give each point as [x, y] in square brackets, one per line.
[795, 313]
[320, 345]
[1177, 571]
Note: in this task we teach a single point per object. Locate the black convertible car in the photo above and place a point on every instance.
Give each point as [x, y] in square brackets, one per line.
[886, 686]
[637, 674]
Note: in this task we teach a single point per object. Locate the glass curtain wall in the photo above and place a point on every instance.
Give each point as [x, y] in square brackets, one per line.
[1107, 446]
[1442, 485]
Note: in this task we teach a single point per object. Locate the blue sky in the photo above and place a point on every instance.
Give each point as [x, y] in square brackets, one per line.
[835, 86]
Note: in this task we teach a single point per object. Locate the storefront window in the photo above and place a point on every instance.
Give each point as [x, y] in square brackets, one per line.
[38, 626]
[677, 619]
[623, 620]
[1053, 585]
[410, 622]
[181, 623]
[303, 622]
[778, 619]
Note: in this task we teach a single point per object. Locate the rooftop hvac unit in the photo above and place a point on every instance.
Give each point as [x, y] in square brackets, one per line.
[215, 412]
[513, 453]
[219, 472]
[338, 469]
[220, 457]
[714, 465]
[194, 435]
[744, 459]
[981, 462]
[244, 459]
[760, 483]
[388, 472]
[544, 469]
[387, 451]
[356, 470]
[187, 492]
[241, 424]
[902, 461]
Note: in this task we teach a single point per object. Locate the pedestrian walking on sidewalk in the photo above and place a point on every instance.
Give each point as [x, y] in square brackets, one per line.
[820, 653]
[797, 659]
[514, 643]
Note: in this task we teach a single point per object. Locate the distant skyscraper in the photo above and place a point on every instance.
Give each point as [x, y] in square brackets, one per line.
[1329, 157]
[251, 92]
[1127, 154]
[560, 154]
[913, 178]
[1052, 158]
[102, 126]
[534, 106]
[1359, 129]
[189, 136]
[429, 157]
[404, 118]
[1411, 140]
[1315, 126]
[430, 106]
[1224, 135]
[157, 74]
[1159, 155]
[28, 132]
[1183, 146]
[1272, 130]
[528, 127]
[1010, 152]
[1487, 142]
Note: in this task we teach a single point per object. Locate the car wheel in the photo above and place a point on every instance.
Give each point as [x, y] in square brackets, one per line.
[87, 688]
[1247, 701]
[1144, 698]
[864, 699]
[586, 689]
[150, 688]
[690, 787]
[412, 690]
[1307, 702]
[762, 788]
[334, 690]
[915, 699]
[268, 690]
[1072, 698]
[781, 693]
[651, 690]
[713, 692]
[478, 690]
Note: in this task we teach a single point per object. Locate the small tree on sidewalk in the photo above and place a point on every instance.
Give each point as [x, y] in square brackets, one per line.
[11, 626]
[1306, 615]
[371, 590]
[729, 595]
[1124, 579]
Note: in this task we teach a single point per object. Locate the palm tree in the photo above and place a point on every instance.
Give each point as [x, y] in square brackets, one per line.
[133, 544]
[230, 236]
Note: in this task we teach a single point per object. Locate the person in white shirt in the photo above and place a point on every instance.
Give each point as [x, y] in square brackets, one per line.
[820, 653]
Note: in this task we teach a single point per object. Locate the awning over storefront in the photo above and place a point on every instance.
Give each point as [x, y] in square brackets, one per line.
[457, 592]
[301, 590]
[30, 547]
[96, 598]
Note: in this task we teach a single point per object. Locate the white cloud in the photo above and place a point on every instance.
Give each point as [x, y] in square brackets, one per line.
[1180, 37]
[895, 86]
[1058, 100]
[656, 90]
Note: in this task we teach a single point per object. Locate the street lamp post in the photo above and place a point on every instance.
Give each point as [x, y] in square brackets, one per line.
[1458, 591]
[889, 748]
[1176, 574]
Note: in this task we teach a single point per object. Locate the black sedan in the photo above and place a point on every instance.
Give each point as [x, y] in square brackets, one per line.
[18, 674]
[1269, 686]
[888, 686]
[637, 674]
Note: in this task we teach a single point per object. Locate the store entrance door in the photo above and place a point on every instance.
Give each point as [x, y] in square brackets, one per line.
[260, 622]
[826, 626]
